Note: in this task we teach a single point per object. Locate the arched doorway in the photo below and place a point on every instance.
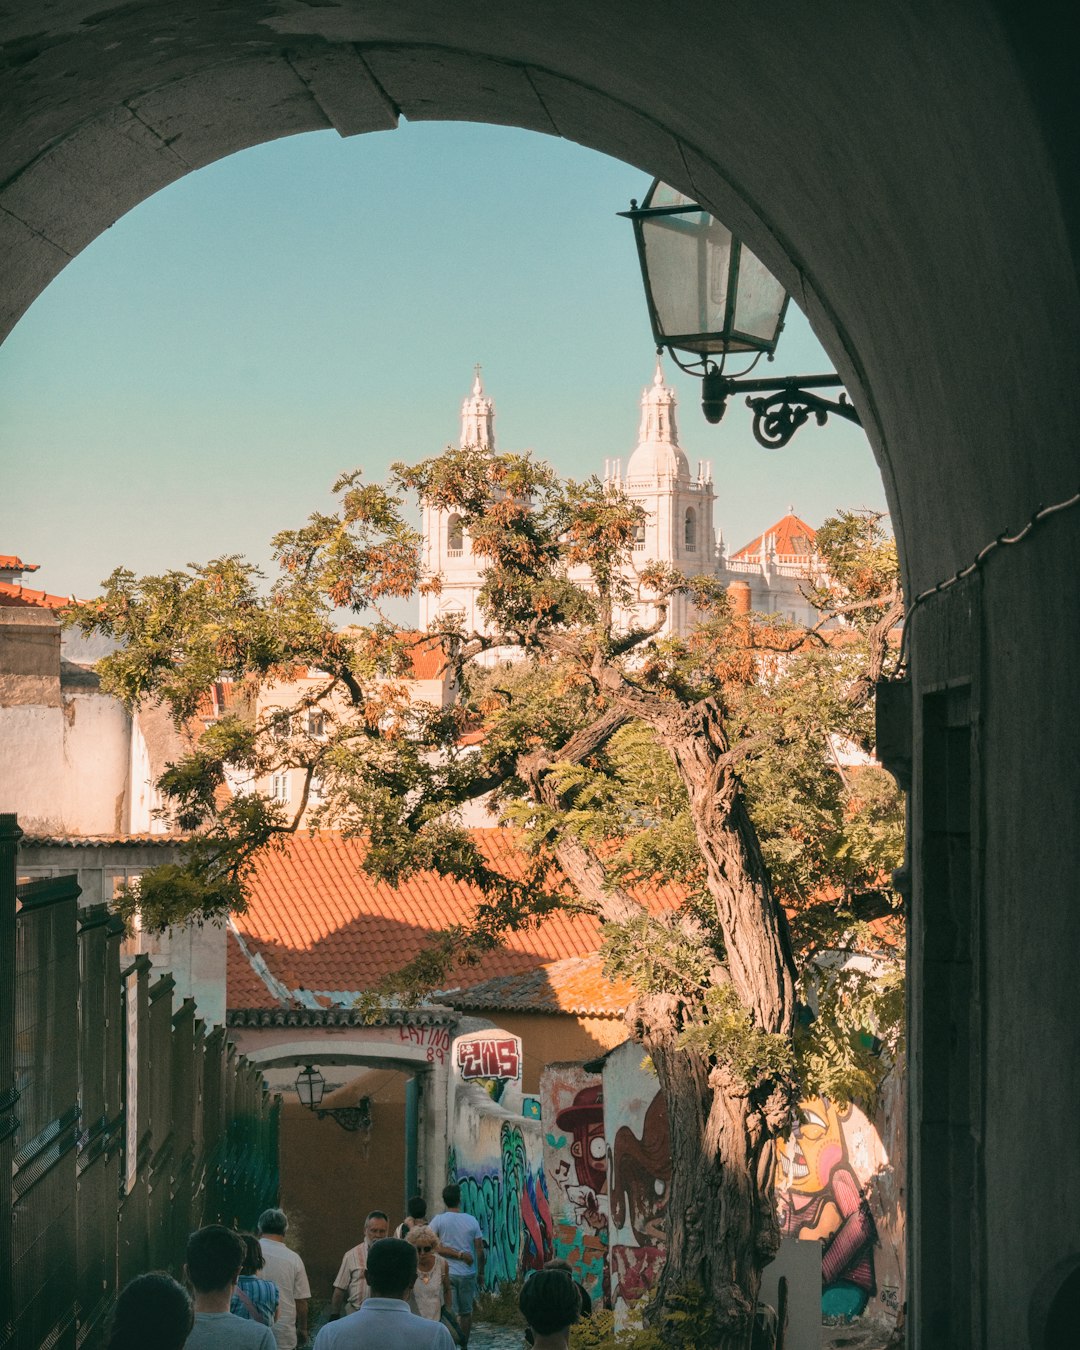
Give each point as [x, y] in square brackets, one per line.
[907, 173]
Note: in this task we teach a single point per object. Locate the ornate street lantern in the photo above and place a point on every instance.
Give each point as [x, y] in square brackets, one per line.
[709, 296]
[310, 1086]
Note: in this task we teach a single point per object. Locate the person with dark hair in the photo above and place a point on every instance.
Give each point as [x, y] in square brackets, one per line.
[462, 1243]
[254, 1298]
[350, 1283]
[153, 1310]
[550, 1305]
[385, 1322]
[215, 1257]
[416, 1217]
[286, 1269]
[557, 1263]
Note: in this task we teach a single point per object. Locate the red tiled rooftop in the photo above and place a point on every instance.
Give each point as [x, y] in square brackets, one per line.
[576, 986]
[793, 538]
[11, 562]
[244, 987]
[427, 656]
[322, 924]
[16, 597]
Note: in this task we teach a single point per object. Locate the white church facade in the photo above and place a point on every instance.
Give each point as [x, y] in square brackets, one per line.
[769, 575]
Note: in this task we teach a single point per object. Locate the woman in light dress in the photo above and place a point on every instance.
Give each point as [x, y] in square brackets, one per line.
[431, 1292]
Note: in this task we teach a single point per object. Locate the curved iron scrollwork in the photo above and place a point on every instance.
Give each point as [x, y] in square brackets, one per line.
[778, 416]
[783, 407]
[350, 1118]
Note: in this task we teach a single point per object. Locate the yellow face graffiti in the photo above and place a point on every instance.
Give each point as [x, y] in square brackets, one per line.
[806, 1159]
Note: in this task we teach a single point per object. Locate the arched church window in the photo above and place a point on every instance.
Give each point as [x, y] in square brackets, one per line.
[455, 537]
[639, 538]
[690, 530]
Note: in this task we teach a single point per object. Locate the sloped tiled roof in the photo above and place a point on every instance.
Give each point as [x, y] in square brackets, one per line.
[323, 926]
[792, 538]
[244, 987]
[427, 656]
[23, 597]
[575, 986]
[11, 562]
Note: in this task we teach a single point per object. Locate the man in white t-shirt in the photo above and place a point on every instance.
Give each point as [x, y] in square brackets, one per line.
[462, 1243]
[286, 1269]
[385, 1322]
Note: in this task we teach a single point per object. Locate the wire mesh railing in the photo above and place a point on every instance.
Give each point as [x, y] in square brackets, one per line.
[123, 1124]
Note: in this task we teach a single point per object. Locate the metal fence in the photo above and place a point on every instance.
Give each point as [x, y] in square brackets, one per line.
[123, 1125]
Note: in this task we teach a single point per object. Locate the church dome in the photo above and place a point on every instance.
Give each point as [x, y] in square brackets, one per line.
[658, 454]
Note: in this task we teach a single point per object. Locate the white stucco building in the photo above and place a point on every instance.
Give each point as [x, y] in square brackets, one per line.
[767, 575]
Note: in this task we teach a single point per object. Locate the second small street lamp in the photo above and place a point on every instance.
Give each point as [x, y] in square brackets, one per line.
[709, 296]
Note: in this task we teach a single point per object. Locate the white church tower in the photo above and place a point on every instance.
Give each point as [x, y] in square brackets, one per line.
[447, 549]
[678, 526]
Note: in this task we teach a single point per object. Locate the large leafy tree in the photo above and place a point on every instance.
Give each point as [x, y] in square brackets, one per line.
[720, 759]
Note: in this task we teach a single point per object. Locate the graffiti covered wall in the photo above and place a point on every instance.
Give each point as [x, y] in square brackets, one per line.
[496, 1157]
[638, 1175]
[576, 1168]
[837, 1184]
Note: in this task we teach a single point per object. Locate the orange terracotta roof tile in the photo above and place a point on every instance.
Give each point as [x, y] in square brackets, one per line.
[324, 926]
[11, 562]
[427, 656]
[16, 597]
[793, 538]
[576, 986]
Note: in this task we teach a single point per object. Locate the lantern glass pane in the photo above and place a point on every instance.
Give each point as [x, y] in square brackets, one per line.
[688, 258]
[759, 300]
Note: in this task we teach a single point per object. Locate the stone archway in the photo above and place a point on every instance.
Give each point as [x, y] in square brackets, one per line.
[907, 171]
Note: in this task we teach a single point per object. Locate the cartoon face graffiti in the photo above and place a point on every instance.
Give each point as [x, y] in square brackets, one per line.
[584, 1119]
[819, 1198]
[641, 1175]
[806, 1160]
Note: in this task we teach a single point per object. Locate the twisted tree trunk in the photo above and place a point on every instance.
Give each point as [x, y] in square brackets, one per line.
[722, 1226]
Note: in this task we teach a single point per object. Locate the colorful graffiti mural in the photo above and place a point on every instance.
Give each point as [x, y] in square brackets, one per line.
[821, 1199]
[575, 1164]
[509, 1200]
[491, 1059]
[639, 1177]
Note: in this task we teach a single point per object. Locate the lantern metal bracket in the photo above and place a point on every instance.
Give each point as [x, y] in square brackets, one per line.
[785, 405]
[351, 1118]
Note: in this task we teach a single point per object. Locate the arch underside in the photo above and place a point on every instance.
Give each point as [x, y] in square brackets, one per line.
[906, 171]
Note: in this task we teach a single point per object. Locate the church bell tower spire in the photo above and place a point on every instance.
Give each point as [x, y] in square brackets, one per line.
[478, 417]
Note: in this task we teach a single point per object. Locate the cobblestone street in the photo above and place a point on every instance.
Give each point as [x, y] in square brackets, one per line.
[496, 1338]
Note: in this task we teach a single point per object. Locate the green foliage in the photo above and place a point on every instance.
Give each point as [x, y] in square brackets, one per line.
[499, 1307]
[558, 564]
[726, 1034]
[688, 1324]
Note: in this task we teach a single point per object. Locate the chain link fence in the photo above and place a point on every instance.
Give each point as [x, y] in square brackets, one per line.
[123, 1125]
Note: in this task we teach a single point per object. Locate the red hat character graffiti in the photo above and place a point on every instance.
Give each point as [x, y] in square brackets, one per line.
[584, 1119]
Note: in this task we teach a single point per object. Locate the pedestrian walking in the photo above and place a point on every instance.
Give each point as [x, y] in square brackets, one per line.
[462, 1243]
[350, 1283]
[285, 1267]
[431, 1293]
[152, 1309]
[414, 1218]
[385, 1322]
[215, 1256]
[254, 1298]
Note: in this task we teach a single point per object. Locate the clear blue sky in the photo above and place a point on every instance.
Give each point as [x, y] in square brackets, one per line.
[198, 376]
